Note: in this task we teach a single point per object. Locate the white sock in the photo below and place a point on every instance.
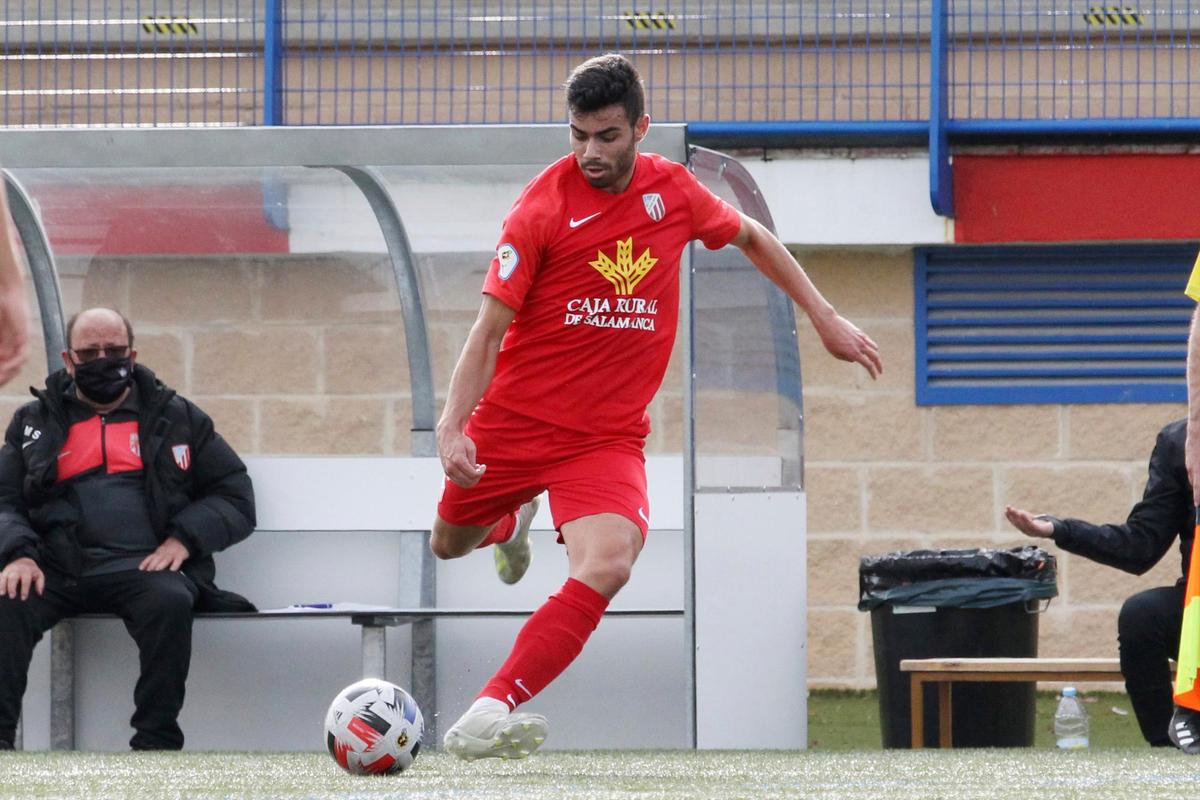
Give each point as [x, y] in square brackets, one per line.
[488, 704]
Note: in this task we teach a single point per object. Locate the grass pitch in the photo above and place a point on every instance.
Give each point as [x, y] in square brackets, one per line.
[1117, 774]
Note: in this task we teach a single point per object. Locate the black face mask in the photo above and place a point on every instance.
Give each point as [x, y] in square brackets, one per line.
[103, 379]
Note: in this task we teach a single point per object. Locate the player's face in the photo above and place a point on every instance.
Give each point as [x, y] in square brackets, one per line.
[605, 146]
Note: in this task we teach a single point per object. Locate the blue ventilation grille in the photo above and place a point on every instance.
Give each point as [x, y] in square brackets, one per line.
[1066, 324]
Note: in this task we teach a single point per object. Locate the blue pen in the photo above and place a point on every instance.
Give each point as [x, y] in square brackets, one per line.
[313, 605]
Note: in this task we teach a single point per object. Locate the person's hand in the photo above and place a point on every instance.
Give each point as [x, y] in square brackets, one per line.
[169, 555]
[14, 331]
[846, 341]
[1029, 524]
[21, 575]
[457, 451]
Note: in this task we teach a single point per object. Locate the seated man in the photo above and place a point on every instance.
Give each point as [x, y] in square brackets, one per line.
[1149, 622]
[114, 494]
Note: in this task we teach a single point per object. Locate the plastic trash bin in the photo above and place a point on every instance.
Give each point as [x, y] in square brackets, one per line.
[956, 603]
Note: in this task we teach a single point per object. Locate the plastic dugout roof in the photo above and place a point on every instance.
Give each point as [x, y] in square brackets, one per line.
[425, 200]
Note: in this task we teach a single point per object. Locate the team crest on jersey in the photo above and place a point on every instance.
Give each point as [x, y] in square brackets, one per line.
[506, 254]
[654, 206]
[624, 273]
[183, 456]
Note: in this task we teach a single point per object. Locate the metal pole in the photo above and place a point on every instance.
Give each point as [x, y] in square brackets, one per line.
[416, 559]
[42, 269]
[273, 63]
[941, 188]
[44, 275]
[416, 339]
[686, 292]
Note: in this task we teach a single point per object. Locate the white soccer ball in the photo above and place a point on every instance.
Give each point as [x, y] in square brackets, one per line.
[374, 728]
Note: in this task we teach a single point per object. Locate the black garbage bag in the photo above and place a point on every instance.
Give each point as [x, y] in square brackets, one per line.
[980, 578]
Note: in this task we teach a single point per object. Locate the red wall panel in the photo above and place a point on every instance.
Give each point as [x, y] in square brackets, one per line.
[1072, 198]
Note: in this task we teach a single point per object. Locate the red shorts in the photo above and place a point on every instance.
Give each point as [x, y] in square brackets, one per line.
[584, 474]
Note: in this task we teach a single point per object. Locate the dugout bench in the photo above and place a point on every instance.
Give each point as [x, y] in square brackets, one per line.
[945, 672]
[316, 498]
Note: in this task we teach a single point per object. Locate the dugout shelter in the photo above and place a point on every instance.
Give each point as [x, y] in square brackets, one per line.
[310, 288]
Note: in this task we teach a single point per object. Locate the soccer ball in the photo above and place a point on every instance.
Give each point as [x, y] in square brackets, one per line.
[373, 728]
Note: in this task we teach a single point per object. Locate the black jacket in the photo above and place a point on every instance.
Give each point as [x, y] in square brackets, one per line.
[208, 506]
[1164, 512]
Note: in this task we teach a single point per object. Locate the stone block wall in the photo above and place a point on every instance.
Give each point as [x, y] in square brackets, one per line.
[306, 355]
[884, 474]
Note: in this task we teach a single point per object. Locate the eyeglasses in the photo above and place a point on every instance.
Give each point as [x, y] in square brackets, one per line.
[86, 354]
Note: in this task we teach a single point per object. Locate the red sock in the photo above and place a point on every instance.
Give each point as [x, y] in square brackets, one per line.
[501, 532]
[548, 643]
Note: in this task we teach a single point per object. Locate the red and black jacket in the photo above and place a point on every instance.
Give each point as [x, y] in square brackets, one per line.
[197, 488]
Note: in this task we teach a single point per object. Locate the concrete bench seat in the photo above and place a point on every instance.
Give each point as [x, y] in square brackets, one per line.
[353, 530]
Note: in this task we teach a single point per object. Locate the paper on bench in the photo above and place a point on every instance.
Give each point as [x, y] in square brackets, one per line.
[331, 608]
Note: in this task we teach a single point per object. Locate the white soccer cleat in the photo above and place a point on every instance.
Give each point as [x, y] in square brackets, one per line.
[495, 733]
[512, 557]
[1184, 731]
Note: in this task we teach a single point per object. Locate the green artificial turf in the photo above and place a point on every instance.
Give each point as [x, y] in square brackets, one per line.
[975, 774]
[845, 760]
[849, 720]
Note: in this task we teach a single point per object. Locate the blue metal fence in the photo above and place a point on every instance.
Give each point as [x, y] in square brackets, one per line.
[131, 62]
[842, 67]
[1053, 58]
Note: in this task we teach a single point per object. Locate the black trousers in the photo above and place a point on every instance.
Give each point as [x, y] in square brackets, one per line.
[1148, 635]
[157, 610]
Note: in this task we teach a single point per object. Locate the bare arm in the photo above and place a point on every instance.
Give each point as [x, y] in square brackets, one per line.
[841, 338]
[1191, 449]
[472, 375]
[14, 318]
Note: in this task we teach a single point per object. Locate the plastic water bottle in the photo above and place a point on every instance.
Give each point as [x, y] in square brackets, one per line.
[1070, 722]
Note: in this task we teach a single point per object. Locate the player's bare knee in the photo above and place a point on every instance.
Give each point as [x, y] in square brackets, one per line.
[617, 575]
[445, 547]
[444, 543]
[607, 576]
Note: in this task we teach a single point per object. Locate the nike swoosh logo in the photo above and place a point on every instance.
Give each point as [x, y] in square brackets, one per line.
[27, 444]
[575, 223]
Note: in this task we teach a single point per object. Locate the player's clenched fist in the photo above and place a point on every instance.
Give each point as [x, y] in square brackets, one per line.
[457, 452]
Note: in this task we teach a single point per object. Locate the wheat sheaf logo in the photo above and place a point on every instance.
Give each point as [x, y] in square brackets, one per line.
[624, 273]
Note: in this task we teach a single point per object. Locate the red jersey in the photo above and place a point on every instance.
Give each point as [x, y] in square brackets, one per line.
[594, 279]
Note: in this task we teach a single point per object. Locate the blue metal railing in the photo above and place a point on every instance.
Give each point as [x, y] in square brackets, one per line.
[92, 62]
[856, 68]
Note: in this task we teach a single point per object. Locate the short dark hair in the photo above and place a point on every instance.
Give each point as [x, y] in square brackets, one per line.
[75, 318]
[604, 81]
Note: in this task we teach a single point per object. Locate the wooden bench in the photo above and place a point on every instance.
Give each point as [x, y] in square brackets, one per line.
[944, 672]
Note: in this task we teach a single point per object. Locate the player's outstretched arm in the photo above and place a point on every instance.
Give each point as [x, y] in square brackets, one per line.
[471, 377]
[14, 317]
[841, 337]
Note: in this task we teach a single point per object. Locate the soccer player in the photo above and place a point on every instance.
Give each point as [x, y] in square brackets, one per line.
[551, 389]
